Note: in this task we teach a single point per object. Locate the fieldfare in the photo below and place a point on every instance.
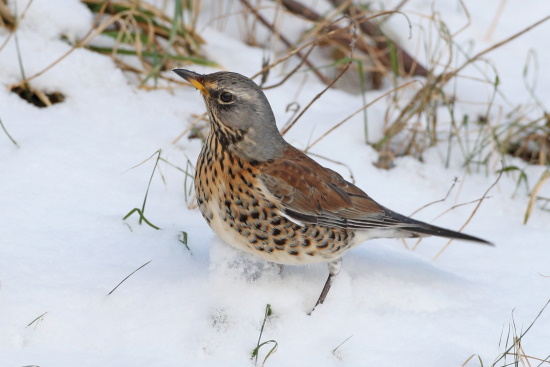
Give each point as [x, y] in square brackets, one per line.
[265, 197]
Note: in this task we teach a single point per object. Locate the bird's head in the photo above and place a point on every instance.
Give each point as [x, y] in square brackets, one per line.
[240, 114]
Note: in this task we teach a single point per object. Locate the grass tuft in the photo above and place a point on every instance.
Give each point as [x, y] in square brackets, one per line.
[145, 33]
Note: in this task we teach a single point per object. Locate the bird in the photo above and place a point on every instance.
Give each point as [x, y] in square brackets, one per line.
[265, 197]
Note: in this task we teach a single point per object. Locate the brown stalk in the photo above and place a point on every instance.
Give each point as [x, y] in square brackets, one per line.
[79, 44]
[339, 35]
[319, 39]
[286, 129]
[410, 65]
[268, 25]
[418, 102]
[14, 28]
[358, 111]
[288, 75]
[471, 215]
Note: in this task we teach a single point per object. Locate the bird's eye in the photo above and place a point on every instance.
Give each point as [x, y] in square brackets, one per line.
[226, 97]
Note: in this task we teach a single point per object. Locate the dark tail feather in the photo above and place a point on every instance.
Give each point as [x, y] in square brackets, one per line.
[422, 228]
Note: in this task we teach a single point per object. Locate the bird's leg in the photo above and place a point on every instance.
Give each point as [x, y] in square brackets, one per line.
[333, 270]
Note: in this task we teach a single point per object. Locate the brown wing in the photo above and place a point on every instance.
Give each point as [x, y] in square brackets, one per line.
[313, 194]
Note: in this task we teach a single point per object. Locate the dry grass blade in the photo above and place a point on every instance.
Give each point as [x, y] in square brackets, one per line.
[424, 96]
[471, 215]
[358, 111]
[129, 275]
[8, 134]
[533, 196]
[156, 38]
[262, 20]
[38, 319]
[5, 12]
[286, 129]
[78, 44]
[437, 201]
[386, 48]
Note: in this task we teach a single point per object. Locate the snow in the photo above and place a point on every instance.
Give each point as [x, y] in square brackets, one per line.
[64, 245]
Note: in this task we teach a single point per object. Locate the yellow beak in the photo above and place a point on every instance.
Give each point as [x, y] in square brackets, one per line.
[194, 78]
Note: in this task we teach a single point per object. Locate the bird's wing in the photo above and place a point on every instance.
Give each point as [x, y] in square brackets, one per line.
[311, 193]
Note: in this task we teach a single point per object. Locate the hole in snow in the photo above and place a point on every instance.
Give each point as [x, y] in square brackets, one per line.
[37, 97]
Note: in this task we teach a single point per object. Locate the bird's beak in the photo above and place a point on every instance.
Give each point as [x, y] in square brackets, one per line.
[194, 78]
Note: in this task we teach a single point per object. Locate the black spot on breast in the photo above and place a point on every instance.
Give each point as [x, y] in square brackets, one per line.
[243, 218]
[323, 244]
[276, 221]
[260, 237]
[280, 241]
[276, 231]
[306, 243]
[293, 252]
[254, 215]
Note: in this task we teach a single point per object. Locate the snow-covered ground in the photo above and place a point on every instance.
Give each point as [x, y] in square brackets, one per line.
[64, 245]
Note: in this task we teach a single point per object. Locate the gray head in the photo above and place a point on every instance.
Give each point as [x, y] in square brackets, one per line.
[240, 114]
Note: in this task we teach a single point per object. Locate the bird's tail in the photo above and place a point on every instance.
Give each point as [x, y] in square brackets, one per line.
[421, 228]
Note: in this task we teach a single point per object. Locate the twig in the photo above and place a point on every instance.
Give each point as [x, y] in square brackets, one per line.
[77, 45]
[288, 75]
[316, 98]
[437, 201]
[325, 36]
[383, 42]
[351, 176]
[283, 39]
[471, 215]
[16, 25]
[439, 82]
[286, 129]
[358, 111]
[191, 125]
[339, 34]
